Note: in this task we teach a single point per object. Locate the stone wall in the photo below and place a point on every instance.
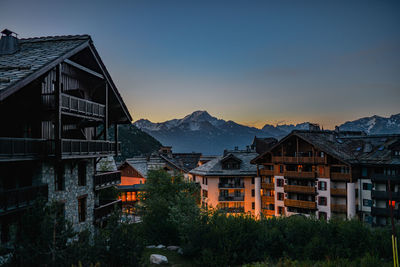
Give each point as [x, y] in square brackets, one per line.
[72, 191]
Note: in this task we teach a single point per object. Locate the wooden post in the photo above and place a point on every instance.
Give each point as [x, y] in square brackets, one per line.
[106, 115]
[58, 125]
[116, 137]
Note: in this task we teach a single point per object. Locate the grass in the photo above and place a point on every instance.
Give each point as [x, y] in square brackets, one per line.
[174, 259]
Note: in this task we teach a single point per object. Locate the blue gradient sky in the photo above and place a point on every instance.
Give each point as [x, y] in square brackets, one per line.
[253, 62]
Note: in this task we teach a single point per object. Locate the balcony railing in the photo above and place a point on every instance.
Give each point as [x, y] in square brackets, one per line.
[232, 210]
[380, 177]
[266, 172]
[231, 198]
[21, 197]
[82, 106]
[268, 199]
[340, 208]
[289, 159]
[105, 210]
[267, 186]
[385, 195]
[21, 147]
[300, 189]
[338, 192]
[87, 147]
[106, 179]
[231, 185]
[301, 175]
[337, 176]
[300, 204]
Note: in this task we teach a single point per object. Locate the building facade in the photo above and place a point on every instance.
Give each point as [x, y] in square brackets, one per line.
[60, 103]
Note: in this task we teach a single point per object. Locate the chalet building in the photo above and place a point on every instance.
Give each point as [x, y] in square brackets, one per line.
[57, 102]
[134, 172]
[330, 173]
[228, 182]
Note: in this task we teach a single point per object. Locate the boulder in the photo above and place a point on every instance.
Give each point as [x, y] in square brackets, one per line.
[172, 248]
[160, 246]
[152, 246]
[158, 259]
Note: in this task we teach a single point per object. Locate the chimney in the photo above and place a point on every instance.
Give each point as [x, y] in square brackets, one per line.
[8, 42]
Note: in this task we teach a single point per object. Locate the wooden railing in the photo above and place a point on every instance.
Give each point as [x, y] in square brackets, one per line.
[21, 147]
[105, 210]
[231, 198]
[340, 176]
[21, 197]
[106, 179]
[300, 204]
[380, 177]
[269, 199]
[385, 195]
[295, 174]
[269, 186]
[82, 106]
[266, 172]
[309, 160]
[339, 208]
[299, 189]
[231, 185]
[338, 192]
[232, 209]
[87, 147]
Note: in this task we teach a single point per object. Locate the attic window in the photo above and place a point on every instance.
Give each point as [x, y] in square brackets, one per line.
[231, 165]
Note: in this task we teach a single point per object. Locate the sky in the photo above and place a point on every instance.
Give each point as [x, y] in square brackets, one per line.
[253, 62]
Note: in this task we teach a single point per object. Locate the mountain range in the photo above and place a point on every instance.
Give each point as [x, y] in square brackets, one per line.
[201, 132]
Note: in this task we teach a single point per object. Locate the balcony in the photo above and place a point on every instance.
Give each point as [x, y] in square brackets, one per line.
[337, 176]
[296, 160]
[80, 106]
[102, 212]
[300, 189]
[267, 186]
[21, 148]
[339, 192]
[106, 179]
[12, 200]
[266, 172]
[269, 199]
[383, 178]
[231, 185]
[385, 195]
[339, 208]
[299, 175]
[94, 148]
[300, 204]
[231, 198]
[232, 210]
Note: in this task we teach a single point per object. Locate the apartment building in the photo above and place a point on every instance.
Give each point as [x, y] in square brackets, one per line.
[228, 182]
[58, 103]
[330, 174]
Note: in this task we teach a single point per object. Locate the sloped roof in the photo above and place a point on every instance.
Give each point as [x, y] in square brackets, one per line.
[139, 164]
[214, 167]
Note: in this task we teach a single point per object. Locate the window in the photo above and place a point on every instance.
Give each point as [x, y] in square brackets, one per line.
[281, 168]
[59, 177]
[206, 181]
[279, 182]
[367, 186]
[367, 202]
[252, 192]
[280, 210]
[364, 172]
[321, 171]
[280, 196]
[252, 180]
[253, 205]
[322, 186]
[82, 209]
[322, 215]
[322, 201]
[82, 173]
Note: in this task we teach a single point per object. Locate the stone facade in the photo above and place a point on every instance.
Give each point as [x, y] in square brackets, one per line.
[72, 192]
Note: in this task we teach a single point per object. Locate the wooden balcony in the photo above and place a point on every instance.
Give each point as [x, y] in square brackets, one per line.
[21, 148]
[80, 106]
[19, 198]
[269, 186]
[383, 178]
[268, 213]
[230, 198]
[266, 172]
[299, 175]
[385, 195]
[231, 185]
[103, 211]
[300, 204]
[338, 208]
[296, 160]
[85, 148]
[232, 209]
[268, 199]
[300, 189]
[337, 176]
[339, 192]
[106, 179]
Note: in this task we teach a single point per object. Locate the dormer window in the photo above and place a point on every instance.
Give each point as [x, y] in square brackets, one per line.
[230, 162]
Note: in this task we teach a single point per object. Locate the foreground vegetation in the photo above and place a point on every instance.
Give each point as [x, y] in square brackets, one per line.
[171, 216]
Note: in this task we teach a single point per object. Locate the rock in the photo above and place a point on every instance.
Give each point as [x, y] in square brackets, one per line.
[158, 259]
[152, 246]
[173, 248]
[160, 246]
[180, 251]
